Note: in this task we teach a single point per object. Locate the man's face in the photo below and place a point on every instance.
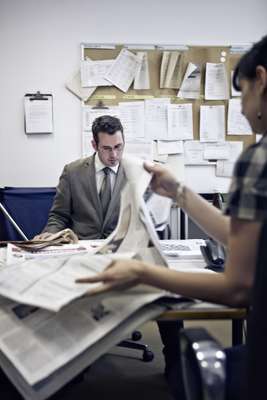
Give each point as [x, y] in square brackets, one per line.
[109, 148]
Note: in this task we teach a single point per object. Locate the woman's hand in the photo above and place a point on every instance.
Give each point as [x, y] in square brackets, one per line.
[163, 181]
[119, 275]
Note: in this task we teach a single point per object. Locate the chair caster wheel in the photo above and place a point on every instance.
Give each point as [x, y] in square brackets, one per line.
[136, 335]
[148, 356]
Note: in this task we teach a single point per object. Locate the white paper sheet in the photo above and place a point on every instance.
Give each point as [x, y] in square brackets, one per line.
[140, 148]
[216, 84]
[170, 73]
[132, 116]
[16, 255]
[216, 151]
[224, 168]
[170, 147]
[237, 124]
[212, 123]
[190, 88]
[74, 85]
[180, 121]
[235, 148]
[91, 113]
[93, 72]
[156, 118]
[194, 153]
[142, 78]
[38, 115]
[123, 70]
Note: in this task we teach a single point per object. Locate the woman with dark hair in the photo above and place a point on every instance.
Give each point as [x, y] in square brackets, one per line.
[238, 228]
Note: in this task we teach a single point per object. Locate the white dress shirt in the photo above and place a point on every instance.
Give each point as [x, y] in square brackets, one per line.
[99, 173]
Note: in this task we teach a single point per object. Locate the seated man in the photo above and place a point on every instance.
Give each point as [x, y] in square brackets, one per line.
[88, 194]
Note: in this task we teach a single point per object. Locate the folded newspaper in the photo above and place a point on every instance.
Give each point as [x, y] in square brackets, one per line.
[62, 331]
[65, 236]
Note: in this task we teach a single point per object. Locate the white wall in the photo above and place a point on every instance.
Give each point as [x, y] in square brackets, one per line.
[40, 49]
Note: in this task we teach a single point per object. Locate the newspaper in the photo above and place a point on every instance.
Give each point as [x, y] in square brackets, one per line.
[53, 340]
[16, 254]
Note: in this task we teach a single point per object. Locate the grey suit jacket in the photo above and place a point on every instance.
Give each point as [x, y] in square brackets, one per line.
[77, 204]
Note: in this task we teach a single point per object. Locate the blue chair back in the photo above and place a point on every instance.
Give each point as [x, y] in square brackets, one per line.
[29, 207]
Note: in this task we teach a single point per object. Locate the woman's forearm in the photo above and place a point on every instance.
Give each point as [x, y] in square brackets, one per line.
[208, 217]
[213, 287]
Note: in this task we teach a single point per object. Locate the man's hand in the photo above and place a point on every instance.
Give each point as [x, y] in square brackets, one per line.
[163, 181]
[43, 236]
[119, 275]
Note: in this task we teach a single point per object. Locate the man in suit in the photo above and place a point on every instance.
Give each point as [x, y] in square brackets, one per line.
[88, 194]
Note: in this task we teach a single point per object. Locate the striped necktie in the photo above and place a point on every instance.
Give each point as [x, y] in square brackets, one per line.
[105, 190]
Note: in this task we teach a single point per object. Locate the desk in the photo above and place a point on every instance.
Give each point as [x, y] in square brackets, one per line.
[209, 311]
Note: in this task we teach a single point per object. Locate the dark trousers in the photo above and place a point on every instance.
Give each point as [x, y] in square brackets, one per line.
[169, 333]
[236, 361]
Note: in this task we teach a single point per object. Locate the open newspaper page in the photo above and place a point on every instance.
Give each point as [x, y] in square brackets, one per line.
[51, 340]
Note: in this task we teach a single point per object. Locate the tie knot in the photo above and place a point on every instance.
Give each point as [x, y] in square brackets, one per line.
[106, 170]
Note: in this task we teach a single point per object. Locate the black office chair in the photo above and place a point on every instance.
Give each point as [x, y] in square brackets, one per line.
[204, 361]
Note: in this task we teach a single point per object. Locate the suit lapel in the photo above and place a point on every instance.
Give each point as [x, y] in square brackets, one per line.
[115, 199]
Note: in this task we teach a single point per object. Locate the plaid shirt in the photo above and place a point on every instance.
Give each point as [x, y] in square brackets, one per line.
[248, 191]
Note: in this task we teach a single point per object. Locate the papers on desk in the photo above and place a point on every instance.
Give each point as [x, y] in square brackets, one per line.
[16, 255]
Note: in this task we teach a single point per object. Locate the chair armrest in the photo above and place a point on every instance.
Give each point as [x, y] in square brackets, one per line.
[203, 365]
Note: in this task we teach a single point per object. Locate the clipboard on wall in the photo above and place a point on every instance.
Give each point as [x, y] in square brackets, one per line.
[38, 113]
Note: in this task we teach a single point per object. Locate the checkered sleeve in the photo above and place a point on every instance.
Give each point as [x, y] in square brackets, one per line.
[248, 191]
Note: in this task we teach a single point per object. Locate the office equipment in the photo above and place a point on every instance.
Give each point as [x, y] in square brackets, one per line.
[38, 112]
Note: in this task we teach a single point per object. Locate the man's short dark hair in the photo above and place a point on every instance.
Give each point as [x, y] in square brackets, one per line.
[106, 124]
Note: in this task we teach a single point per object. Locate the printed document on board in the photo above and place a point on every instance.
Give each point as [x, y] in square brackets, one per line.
[142, 79]
[216, 84]
[93, 72]
[180, 121]
[123, 70]
[212, 123]
[190, 88]
[237, 124]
